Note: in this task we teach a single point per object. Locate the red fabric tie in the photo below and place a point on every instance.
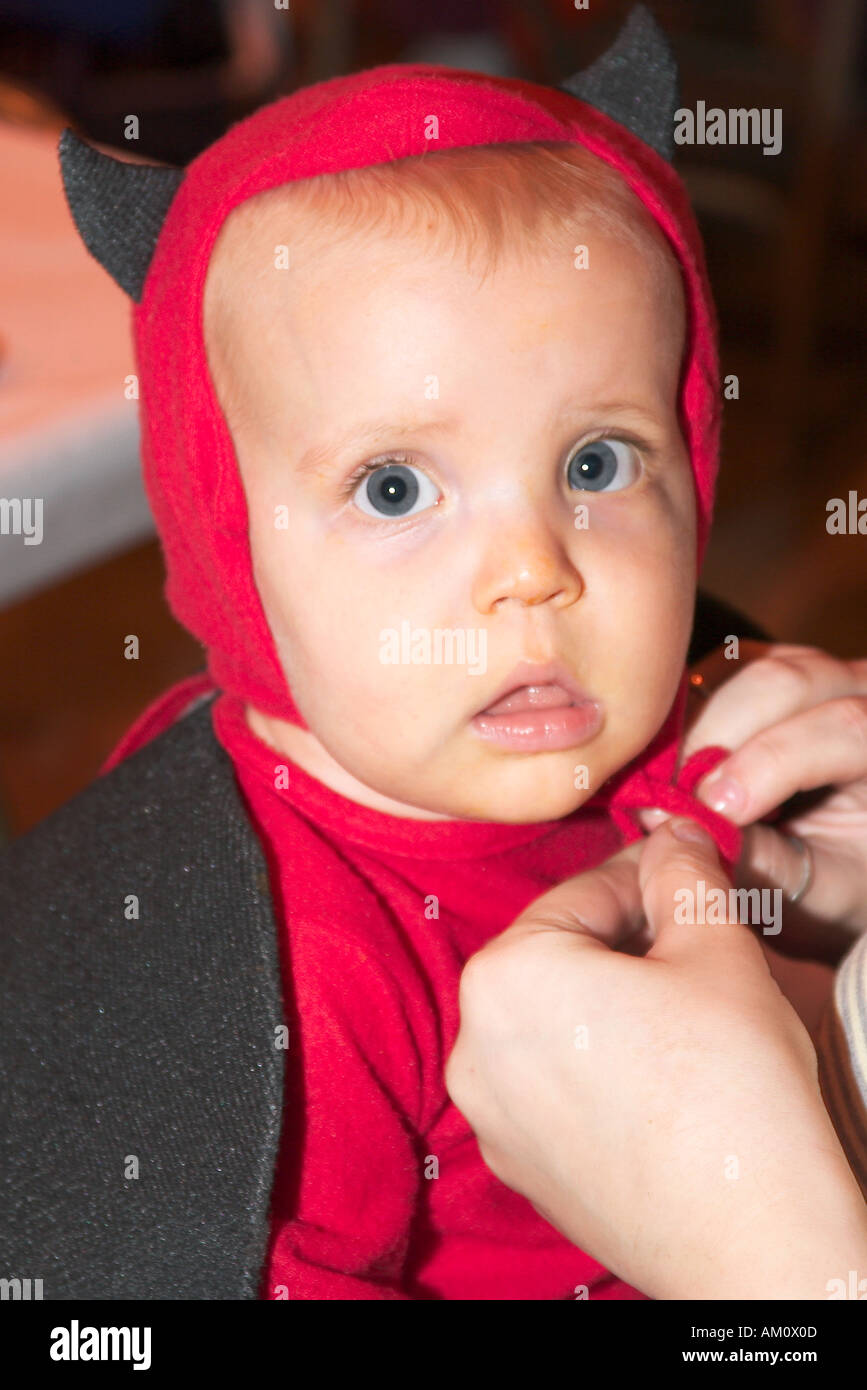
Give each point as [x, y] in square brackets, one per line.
[642, 789]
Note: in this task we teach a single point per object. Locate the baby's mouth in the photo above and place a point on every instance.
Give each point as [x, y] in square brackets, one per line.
[536, 685]
[539, 709]
[524, 697]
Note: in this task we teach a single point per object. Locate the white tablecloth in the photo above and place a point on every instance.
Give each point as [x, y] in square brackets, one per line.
[67, 433]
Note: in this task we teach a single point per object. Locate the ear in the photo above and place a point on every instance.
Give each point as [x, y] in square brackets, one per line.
[635, 82]
[118, 208]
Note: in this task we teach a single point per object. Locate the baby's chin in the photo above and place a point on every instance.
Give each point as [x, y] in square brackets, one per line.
[531, 809]
[511, 789]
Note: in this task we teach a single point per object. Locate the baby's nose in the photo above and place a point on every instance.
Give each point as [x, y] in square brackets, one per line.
[527, 571]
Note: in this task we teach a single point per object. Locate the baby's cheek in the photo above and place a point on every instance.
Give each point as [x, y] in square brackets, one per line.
[648, 638]
[677, 520]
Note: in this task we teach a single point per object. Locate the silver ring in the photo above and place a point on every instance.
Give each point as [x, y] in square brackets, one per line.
[806, 870]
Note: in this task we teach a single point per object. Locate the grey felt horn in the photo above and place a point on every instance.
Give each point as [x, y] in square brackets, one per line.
[635, 82]
[119, 208]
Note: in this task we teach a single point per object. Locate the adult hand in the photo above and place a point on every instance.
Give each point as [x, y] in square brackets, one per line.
[795, 719]
[662, 1111]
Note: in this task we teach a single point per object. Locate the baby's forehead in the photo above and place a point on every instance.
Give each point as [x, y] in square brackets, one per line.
[238, 251]
[340, 248]
[530, 198]
[277, 232]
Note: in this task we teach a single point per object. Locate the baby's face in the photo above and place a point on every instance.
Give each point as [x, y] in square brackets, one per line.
[414, 442]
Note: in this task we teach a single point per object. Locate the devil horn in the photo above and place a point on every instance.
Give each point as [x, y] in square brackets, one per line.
[118, 208]
[635, 82]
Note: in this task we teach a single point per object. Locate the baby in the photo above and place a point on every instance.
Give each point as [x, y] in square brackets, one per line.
[453, 386]
[430, 409]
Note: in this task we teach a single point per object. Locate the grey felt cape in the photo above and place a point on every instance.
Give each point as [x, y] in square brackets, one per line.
[150, 1039]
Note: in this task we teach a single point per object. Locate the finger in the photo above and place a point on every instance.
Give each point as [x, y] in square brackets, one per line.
[769, 856]
[685, 892]
[603, 904]
[826, 745]
[649, 817]
[773, 858]
[770, 859]
[782, 682]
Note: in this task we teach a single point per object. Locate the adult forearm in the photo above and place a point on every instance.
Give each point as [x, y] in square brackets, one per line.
[803, 1242]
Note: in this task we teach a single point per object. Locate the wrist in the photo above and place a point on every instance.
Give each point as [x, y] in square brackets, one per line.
[795, 1245]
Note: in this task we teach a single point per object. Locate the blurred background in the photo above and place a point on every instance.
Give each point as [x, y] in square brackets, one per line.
[786, 239]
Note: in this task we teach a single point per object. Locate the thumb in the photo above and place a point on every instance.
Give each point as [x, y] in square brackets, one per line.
[600, 907]
[691, 907]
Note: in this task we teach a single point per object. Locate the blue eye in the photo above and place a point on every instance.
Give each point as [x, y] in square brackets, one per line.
[394, 489]
[606, 465]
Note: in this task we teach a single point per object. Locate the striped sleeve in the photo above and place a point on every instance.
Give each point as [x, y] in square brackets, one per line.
[841, 1046]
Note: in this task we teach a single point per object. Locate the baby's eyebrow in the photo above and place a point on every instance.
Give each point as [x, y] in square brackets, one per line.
[367, 436]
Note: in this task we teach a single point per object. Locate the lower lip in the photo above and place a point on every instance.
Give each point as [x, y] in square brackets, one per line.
[541, 730]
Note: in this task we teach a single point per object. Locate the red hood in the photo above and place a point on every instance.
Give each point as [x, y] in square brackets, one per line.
[369, 117]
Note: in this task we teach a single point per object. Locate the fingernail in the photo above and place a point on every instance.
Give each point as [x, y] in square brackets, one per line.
[652, 817]
[688, 830]
[725, 795]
